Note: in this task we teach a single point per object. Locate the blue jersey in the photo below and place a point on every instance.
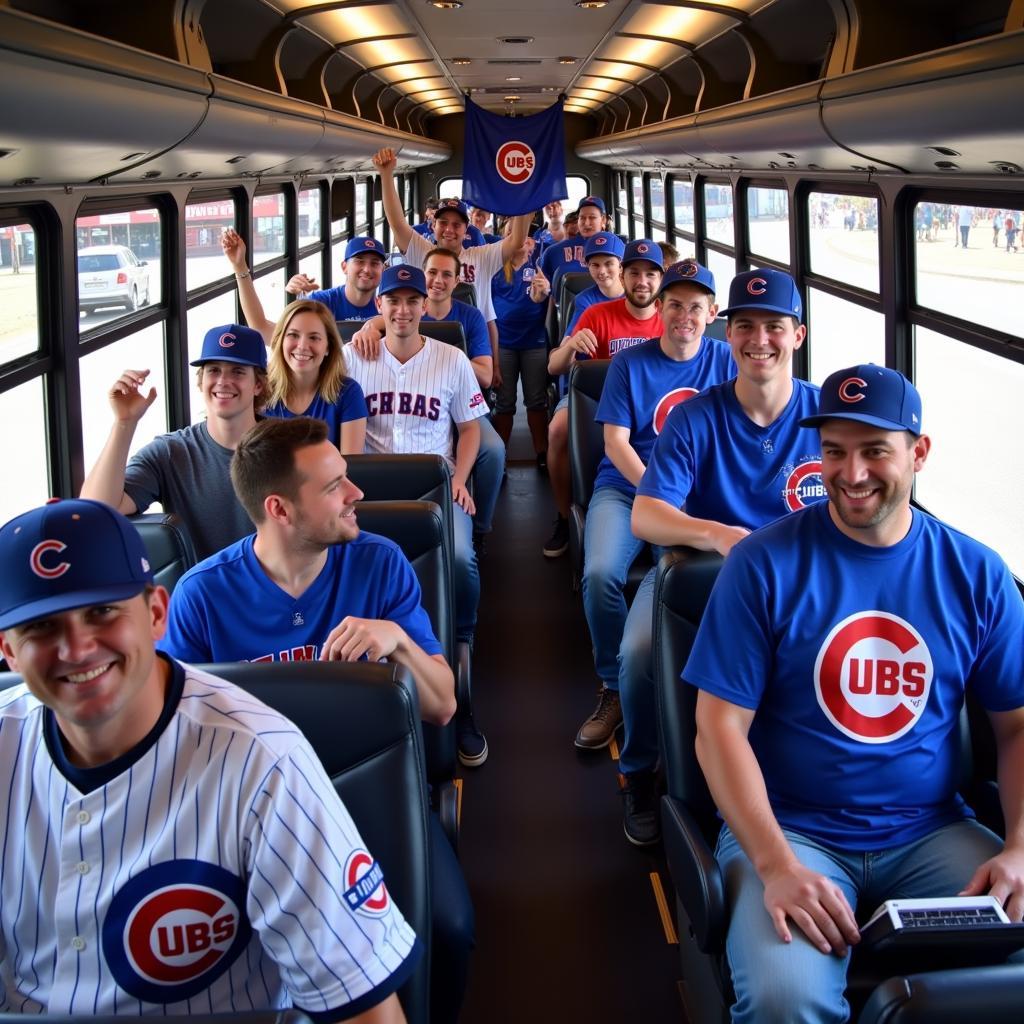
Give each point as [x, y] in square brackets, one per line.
[583, 301]
[521, 321]
[721, 465]
[643, 386]
[478, 341]
[350, 405]
[341, 309]
[856, 659]
[561, 257]
[474, 236]
[226, 608]
[424, 229]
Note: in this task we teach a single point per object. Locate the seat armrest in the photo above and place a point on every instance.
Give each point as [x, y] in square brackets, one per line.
[463, 676]
[448, 812]
[577, 524]
[695, 874]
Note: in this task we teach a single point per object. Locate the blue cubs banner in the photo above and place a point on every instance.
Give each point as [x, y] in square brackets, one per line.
[513, 164]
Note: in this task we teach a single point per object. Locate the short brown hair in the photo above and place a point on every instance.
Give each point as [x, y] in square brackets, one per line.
[264, 461]
[438, 251]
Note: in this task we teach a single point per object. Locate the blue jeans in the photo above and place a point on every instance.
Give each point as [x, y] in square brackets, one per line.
[796, 982]
[636, 683]
[467, 575]
[609, 549]
[487, 473]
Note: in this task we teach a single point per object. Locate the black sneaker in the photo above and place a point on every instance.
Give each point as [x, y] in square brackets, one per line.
[558, 543]
[471, 741]
[640, 809]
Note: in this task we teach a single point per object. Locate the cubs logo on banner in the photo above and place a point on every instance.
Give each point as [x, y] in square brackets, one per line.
[513, 164]
[175, 928]
[872, 676]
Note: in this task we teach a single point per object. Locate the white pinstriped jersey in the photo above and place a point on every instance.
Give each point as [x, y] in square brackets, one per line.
[411, 405]
[479, 264]
[216, 871]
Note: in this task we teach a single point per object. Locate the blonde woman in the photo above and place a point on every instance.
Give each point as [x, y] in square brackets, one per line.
[306, 375]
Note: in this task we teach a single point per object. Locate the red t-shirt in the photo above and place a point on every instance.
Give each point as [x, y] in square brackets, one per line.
[616, 328]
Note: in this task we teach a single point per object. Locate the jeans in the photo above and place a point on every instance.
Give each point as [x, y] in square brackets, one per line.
[636, 683]
[487, 472]
[467, 576]
[609, 549]
[796, 982]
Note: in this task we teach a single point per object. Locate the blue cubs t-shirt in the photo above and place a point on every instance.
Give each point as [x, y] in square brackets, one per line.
[478, 341]
[643, 386]
[341, 309]
[227, 608]
[350, 405]
[717, 462]
[855, 660]
[521, 321]
[561, 257]
[583, 301]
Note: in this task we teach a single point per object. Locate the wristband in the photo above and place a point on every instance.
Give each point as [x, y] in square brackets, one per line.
[242, 275]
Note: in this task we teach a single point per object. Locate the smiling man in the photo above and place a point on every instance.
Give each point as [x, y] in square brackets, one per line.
[109, 751]
[175, 469]
[828, 725]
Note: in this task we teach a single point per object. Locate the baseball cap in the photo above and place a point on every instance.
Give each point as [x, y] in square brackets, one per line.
[361, 244]
[455, 206]
[68, 554]
[402, 276]
[771, 290]
[603, 243]
[869, 394]
[644, 249]
[233, 343]
[688, 272]
[591, 201]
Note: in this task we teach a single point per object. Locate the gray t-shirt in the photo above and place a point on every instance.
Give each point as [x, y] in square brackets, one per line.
[189, 474]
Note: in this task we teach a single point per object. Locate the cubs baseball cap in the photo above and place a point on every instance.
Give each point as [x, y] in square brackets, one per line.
[644, 249]
[233, 343]
[363, 244]
[688, 272]
[453, 206]
[771, 290]
[869, 394]
[596, 201]
[68, 554]
[603, 243]
[402, 276]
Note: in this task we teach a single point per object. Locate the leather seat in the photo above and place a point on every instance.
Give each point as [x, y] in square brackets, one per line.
[465, 292]
[168, 546]
[451, 332]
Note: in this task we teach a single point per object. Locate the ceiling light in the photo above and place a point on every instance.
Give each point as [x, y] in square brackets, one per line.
[513, 99]
[461, 60]
[586, 5]
[513, 78]
[566, 60]
[450, 5]
[516, 40]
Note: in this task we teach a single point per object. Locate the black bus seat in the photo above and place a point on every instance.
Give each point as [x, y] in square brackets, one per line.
[465, 292]
[168, 546]
[451, 332]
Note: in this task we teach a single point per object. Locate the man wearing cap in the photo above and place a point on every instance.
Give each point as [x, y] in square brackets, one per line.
[726, 462]
[643, 385]
[108, 751]
[561, 257]
[602, 253]
[426, 226]
[362, 266]
[554, 227]
[603, 330]
[827, 726]
[187, 470]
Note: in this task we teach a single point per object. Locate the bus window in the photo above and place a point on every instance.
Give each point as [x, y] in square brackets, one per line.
[841, 333]
[718, 212]
[723, 267]
[969, 479]
[267, 227]
[270, 289]
[313, 266]
[682, 214]
[844, 238]
[658, 223]
[205, 221]
[768, 222]
[24, 418]
[19, 328]
[309, 217]
[362, 221]
[636, 186]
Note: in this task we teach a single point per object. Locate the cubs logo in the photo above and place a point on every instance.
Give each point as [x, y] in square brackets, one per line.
[803, 486]
[365, 891]
[600, 240]
[175, 928]
[872, 677]
[403, 274]
[643, 247]
[757, 286]
[515, 162]
[667, 403]
[226, 340]
[686, 269]
[35, 560]
[369, 243]
[848, 392]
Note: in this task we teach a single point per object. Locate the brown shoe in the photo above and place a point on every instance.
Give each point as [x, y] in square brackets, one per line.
[597, 731]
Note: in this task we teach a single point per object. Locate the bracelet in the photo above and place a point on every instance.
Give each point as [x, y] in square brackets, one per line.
[243, 275]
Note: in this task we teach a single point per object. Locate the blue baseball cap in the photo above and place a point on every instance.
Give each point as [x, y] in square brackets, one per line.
[644, 249]
[453, 206]
[688, 272]
[869, 394]
[771, 290]
[363, 244]
[603, 243]
[596, 201]
[233, 343]
[68, 554]
[402, 276]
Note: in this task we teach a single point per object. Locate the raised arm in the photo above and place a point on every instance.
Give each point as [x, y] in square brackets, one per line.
[386, 161]
[511, 243]
[657, 522]
[252, 309]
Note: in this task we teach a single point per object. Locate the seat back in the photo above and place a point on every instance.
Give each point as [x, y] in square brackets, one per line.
[586, 436]
[168, 546]
[465, 292]
[362, 721]
[346, 328]
[451, 332]
[570, 286]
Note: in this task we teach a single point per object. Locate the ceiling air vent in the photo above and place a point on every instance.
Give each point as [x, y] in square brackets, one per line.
[515, 62]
